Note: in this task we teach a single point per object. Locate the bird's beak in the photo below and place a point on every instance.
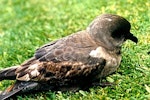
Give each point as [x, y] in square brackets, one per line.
[131, 37]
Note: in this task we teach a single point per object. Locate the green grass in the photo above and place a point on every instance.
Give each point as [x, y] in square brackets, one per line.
[26, 25]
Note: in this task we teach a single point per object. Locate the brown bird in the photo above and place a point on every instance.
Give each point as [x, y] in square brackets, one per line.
[73, 62]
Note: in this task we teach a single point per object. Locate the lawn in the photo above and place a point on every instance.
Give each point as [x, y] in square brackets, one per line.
[25, 25]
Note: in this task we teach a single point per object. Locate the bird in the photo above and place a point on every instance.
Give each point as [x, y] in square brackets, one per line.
[73, 62]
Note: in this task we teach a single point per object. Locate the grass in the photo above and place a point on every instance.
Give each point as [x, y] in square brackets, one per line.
[26, 25]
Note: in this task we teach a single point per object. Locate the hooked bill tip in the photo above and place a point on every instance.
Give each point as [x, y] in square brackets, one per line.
[132, 38]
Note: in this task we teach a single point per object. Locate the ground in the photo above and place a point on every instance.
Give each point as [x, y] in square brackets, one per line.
[26, 25]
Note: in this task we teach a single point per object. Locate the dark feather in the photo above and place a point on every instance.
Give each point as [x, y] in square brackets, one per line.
[8, 73]
[18, 87]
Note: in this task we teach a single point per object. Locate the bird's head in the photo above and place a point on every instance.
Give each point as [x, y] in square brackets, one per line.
[111, 31]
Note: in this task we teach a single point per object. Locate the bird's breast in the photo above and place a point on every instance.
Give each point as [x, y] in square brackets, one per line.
[112, 60]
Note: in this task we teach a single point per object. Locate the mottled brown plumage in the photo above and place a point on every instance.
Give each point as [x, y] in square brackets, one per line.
[73, 62]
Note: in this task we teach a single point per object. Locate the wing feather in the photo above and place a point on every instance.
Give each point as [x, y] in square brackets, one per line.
[71, 48]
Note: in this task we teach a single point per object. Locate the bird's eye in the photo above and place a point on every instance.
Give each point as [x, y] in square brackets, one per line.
[117, 34]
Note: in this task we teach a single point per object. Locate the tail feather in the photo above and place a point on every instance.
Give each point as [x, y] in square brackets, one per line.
[8, 73]
[6, 96]
[18, 87]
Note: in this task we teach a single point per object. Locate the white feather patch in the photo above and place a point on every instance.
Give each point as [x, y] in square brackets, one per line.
[109, 19]
[34, 66]
[111, 60]
[35, 73]
[97, 53]
[24, 78]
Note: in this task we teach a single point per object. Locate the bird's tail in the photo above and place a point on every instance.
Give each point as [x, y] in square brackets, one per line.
[18, 87]
[8, 73]
[25, 87]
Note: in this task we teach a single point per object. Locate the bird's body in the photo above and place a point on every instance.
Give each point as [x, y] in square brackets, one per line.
[73, 62]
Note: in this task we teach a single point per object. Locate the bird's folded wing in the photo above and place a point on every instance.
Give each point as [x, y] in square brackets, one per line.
[75, 47]
[67, 57]
[54, 72]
